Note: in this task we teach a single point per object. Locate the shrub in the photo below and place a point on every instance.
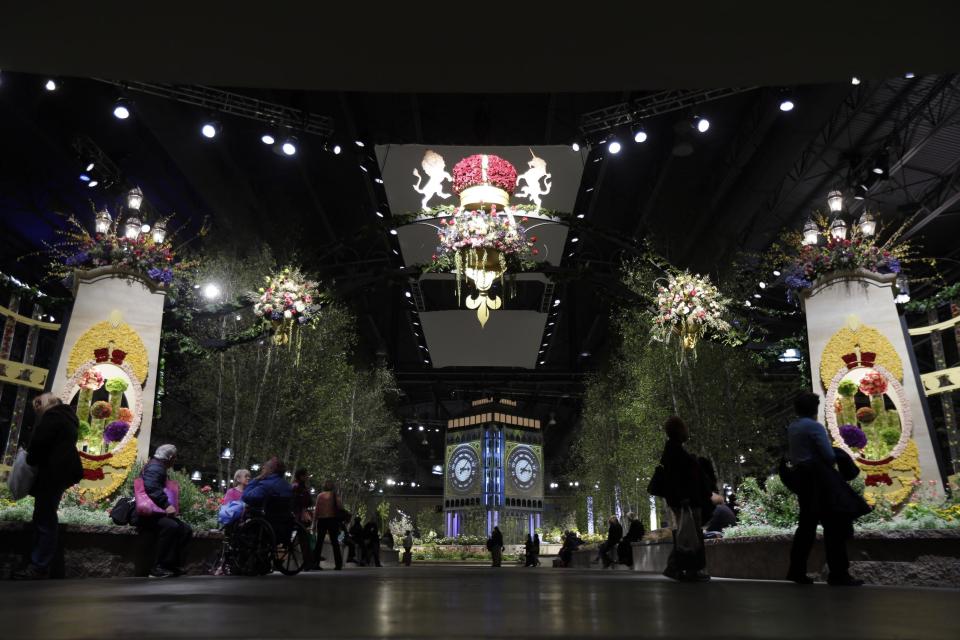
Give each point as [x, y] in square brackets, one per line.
[773, 505]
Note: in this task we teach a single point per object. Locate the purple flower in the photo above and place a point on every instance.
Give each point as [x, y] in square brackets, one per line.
[77, 259]
[891, 265]
[160, 275]
[115, 431]
[853, 436]
[276, 315]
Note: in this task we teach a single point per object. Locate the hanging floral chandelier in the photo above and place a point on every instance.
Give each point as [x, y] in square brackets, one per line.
[483, 239]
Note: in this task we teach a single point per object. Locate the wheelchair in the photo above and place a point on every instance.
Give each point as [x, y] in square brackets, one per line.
[266, 540]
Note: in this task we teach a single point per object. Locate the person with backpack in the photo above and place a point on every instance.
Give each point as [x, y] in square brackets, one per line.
[53, 452]
[173, 534]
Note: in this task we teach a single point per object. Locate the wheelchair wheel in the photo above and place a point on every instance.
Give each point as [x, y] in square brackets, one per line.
[256, 548]
[293, 554]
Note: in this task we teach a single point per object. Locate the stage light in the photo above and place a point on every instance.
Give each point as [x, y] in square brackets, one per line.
[556, 302]
[134, 199]
[289, 146]
[359, 143]
[909, 75]
[89, 167]
[854, 80]
[378, 180]
[393, 232]
[92, 184]
[267, 139]
[613, 147]
[121, 110]
[379, 215]
[574, 239]
[575, 146]
[640, 136]
[882, 165]
[420, 428]
[756, 295]
[787, 105]
[776, 273]
[790, 355]
[407, 293]
[762, 284]
[51, 85]
[211, 291]
[84, 177]
[701, 124]
[336, 149]
[210, 130]
[543, 362]
[835, 201]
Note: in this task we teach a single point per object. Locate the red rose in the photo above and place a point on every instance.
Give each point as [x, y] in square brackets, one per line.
[535, 251]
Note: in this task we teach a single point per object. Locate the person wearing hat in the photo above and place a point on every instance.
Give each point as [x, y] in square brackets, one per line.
[173, 534]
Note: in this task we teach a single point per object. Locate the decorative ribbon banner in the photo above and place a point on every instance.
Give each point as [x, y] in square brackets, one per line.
[50, 326]
[941, 381]
[23, 375]
[940, 326]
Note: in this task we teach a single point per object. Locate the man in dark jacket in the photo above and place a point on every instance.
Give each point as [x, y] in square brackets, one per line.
[608, 548]
[173, 534]
[495, 545]
[635, 533]
[53, 451]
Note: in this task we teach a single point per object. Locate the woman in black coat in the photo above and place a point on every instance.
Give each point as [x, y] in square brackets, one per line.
[173, 534]
[685, 486]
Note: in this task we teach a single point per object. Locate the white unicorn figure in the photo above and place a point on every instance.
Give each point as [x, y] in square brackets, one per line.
[435, 168]
[532, 190]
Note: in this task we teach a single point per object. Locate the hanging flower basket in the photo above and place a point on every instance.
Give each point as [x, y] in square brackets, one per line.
[689, 307]
[287, 303]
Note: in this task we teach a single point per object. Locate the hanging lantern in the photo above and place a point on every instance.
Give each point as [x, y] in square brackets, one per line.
[227, 454]
[160, 231]
[195, 476]
[835, 201]
[132, 228]
[903, 290]
[134, 199]
[867, 225]
[838, 229]
[102, 221]
[811, 232]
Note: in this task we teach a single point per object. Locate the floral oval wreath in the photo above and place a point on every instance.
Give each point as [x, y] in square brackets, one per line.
[895, 389]
[134, 392]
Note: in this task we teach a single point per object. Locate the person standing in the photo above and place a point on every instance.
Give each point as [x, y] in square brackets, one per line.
[407, 547]
[241, 478]
[824, 497]
[536, 549]
[528, 551]
[173, 534]
[53, 451]
[688, 491]
[302, 498]
[328, 516]
[496, 547]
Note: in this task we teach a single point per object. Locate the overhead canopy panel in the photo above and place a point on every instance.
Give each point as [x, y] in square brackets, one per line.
[510, 339]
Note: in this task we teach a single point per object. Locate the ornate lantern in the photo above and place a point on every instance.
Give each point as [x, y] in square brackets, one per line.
[867, 225]
[835, 201]
[132, 228]
[811, 232]
[102, 221]
[160, 231]
[838, 229]
[134, 199]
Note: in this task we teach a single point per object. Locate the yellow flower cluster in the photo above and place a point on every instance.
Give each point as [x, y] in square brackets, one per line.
[903, 470]
[115, 472]
[846, 340]
[103, 335]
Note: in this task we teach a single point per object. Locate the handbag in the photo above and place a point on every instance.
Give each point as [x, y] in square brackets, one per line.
[22, 476]
[658, 483]
[123, 512]
[146, 506]
[688, 540]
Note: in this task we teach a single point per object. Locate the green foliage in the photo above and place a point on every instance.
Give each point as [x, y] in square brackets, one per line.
[198, 505]
[772, 505]
[427, 519]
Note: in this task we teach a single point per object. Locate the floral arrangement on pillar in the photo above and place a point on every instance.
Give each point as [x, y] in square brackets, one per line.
[287, 303]
[482, 239]
[688, 308]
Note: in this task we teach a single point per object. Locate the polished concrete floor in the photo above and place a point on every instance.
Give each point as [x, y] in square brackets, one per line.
[468, 602]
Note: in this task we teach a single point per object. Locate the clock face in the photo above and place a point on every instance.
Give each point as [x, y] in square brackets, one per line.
[524, 468]
[464, 468]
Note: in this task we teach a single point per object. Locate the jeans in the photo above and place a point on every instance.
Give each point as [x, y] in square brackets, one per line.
[45, 525]
[835, 532]
[331, 527]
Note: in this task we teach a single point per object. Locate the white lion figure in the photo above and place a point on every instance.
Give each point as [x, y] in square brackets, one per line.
[533, 190]
[435, 168]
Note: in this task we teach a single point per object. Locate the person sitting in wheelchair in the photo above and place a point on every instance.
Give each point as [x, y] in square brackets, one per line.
[269, 484]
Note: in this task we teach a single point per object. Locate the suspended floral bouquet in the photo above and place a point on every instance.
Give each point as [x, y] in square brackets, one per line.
[286, 304]
[689, 307]
[482, 240]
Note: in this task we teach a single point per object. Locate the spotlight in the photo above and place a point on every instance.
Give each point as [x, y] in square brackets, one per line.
[909, 75]
[702, 124]
[786, 105]
[92, 184]
[640, 135]
[756, 295]
[882, 165]
[379, 215]
[336, 149]
[51, 85]
[359, 143]
[613, 147]
[84, 177]
[90, 167]
[210, 130]
[393, 232]
[854, 80]
[746, 303]
[267, 138]
[121, 110]
[211, 291]
[776, 273]
[574, 239]
[575, 146]
[763, 285]
[289, 146]
[407, 294]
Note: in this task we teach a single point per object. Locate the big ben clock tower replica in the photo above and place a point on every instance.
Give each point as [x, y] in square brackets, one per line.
[493, 472]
